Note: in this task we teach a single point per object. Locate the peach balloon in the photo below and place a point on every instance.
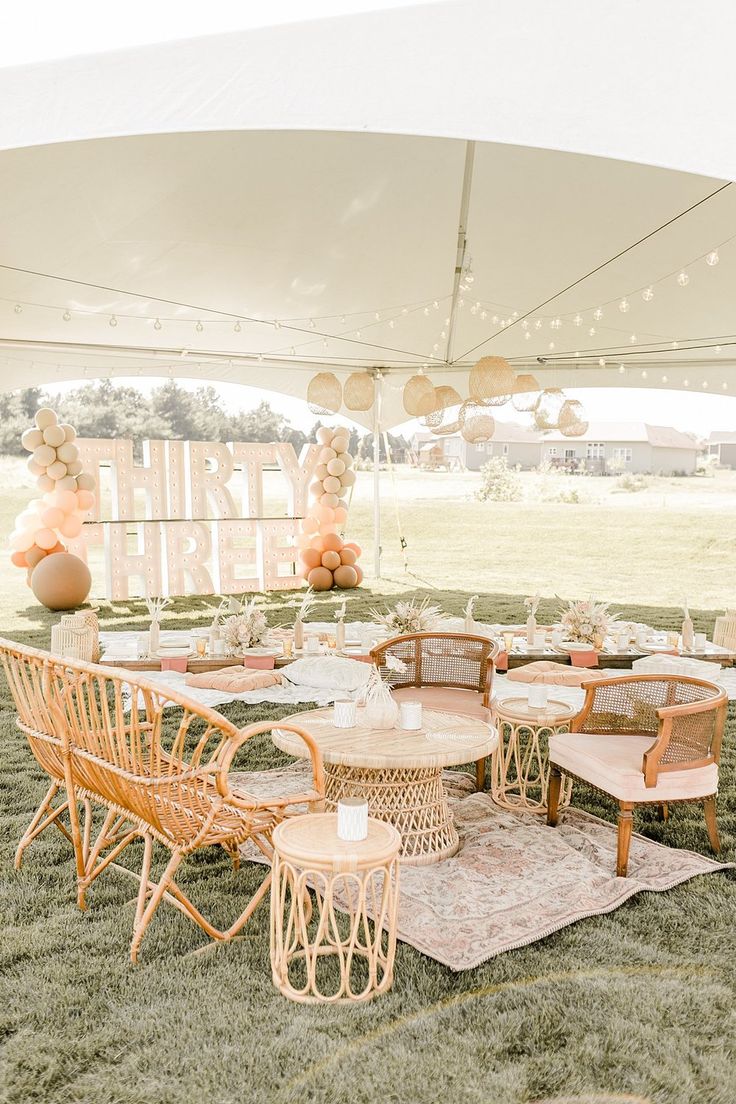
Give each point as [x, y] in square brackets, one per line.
[355, 547]
[318, 543]
[52, 517]
[85, 500]
[44, 455]
[320, 578]
[348, 477]
[35, 555]
[67, 483]
[45, 417]
[341, 515]
[347, 556]
[34, 467]
[330, 500]
[71, 526]
[70, 432]
[309, 524]
[65, 500]
[332, 542]
[326, 455]
[304, 540]
[331, 484]
[86, 482]
[324, 435]
[321, 471]
[346, 577]
[331, 560]
[45, 539]
[21, 542]
[45, 483]
[57, 470]
[61, 581]
[325, 514]
[339, 443]
[315, 489]
[31, 439]
[53, 435]
[346, 459]
[75, 468]
[18, 559]
[66, 451]
[359, 572]
[311, 557]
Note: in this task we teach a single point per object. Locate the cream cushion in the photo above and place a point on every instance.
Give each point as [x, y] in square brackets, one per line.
[327, 673]
[614, 765]
[450, 698]
[549, 673]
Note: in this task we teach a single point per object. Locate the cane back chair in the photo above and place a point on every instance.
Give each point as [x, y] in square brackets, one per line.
[451, 671]
[644, 740]
[161, 786]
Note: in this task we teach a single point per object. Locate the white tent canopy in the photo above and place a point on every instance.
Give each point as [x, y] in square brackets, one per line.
[259, 206]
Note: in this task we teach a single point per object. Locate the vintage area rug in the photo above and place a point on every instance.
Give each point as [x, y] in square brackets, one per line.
[513, 880]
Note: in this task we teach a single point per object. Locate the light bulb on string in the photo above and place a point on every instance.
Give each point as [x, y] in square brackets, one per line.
[292, 351]
[577, 320]
[648, 294]
[621, 369]
[237, 327]
[527, 336]
[601, 362]
[718, 349]
[391, 323]
[157, 324]
[276, 324]
[342, 319]
[358, 333]
[113, 321]
[686, 383]
[259, 358]
[525, 325]
[18, 308]
[66, 316]
[484, 314]
[665, 379]
[632, 339]
[724, 385]
[624, 305]
[199, 327]
[325, 343]
[551, 345]
[644, 373]
[675, 344]
[683, 279]
[377, 316]
[404, 310]
[436, 304]
[705, 385]
[712, 259]
[538, 324]
[597, 314]
[425, 312]
[591, 331]
[312, 324]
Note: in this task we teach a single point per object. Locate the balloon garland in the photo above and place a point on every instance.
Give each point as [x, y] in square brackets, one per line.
[68, 493]
[326, 561]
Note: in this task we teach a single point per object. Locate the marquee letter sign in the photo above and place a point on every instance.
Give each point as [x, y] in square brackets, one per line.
[193, 517]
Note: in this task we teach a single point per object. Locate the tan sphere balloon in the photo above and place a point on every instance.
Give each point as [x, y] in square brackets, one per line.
[324, 435]
[320, 578]
[348, 478]
[45, 482]
[61, 581]
[340, 443]
[45, 417]
[321, 471]
[66, 451]
[70, 432]
[66, 483]
[53, 435]
[44, 455]
[75, 468]
[331, 560]
[33, 467]
[331, 484]
[57, 470]
[31, 439]
[346, 577]
[346, 459]
[326, 455]
[336, 466]
[329, 500]
[86, 482]
[348, 557]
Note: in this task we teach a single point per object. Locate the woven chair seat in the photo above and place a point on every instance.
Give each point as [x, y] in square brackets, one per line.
[448, 698]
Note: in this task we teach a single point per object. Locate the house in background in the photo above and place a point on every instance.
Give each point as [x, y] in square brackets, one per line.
[722, 445]
[609, 447]
[521, 447]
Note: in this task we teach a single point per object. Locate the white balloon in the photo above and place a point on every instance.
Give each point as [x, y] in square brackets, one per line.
[324, 435]
[67, 483]
[321, 471]
[346, 459]
[45, 483]
[44, 455]
[67, 451]
[33, 467]
[54, 435]
[86, 482]
[326, 455]
[57, 470]
[45, 417]
[75, 468]
[347, 478]
[70, 432]
[331, 484]
[31, 439]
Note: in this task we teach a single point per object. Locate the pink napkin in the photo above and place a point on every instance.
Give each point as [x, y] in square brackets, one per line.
[584, 658]
[175, 663]
[259, 662]
[501, 662]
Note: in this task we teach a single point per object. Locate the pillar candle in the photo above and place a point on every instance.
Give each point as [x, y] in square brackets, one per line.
[352, 818]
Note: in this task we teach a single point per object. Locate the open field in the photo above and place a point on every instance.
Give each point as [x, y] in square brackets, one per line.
[676, 537]
[631, 1008]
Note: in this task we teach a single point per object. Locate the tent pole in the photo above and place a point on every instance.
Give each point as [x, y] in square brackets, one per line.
[377, 476]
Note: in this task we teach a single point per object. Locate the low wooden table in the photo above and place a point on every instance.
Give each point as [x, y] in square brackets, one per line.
[399, 773]
[351, 877]
[520, 764]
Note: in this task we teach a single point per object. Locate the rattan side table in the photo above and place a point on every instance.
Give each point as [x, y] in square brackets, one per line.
[520, 765]
[341, 949]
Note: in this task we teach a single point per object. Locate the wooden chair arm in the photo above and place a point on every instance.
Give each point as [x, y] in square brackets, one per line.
[233, 745]
[652, 759]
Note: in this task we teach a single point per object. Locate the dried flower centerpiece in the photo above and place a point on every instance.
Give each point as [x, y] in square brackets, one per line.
[305, 608]
[409, 617]
[155, 607]
[246, 629]
[381, 711]
[588, 622]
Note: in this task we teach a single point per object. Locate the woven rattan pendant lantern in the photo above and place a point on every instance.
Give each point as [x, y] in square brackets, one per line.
[572, 421]
[526, 393]
[358, 391]
[548, 409]
[492, 381]
[324, 394]
[476, 424]
[445, 397]
[444, 430]
[420, 397]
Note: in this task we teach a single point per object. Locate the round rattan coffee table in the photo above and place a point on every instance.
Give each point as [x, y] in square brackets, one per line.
[342, 949]
[520, 766]
[399, 773]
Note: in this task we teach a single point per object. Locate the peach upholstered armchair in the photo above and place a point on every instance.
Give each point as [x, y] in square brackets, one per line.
[100, 734]
[644, 740]
[451, 671]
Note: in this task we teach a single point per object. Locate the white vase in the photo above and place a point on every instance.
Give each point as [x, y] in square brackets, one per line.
[154, 638]
[531, 628]
[688, 635]
[340, 636]
[381, 711]
[298, 634]
[470, 625]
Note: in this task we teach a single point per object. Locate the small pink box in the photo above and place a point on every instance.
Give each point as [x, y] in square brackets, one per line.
[259, 663]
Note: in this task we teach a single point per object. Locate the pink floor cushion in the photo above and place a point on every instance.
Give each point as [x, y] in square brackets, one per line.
[614, 765]
[448, 698]
[553, 674]
[235, 680]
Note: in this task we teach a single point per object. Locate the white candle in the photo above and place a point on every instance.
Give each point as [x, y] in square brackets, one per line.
[538, 693]
[623, 642]
[352, 818]
[345, 714]
[410, 715]
[558, 635]
[700, 640]
[312, 645]
[539, 638]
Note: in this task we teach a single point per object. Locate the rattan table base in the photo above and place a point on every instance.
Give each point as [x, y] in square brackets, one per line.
[520, 764]
[411, 798]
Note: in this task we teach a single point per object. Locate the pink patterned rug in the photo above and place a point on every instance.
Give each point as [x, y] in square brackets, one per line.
[514, 880]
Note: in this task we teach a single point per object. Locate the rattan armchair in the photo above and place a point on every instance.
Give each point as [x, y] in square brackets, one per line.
[101, 731]
[452, 671]
[644, 740]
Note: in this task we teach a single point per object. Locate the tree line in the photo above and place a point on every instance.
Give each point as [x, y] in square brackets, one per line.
[169, 412]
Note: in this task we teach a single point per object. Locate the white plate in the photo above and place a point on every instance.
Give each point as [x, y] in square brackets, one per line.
[574, 646]
[652, 646]
[268, 650]
[174, 653]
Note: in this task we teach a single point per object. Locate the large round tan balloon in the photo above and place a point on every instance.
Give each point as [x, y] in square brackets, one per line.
[61, 581]
[346, 577]
[320, 578]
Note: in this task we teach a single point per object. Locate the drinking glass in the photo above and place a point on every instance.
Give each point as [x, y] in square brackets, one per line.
[508, 641]
[288, 648]
[201, 646]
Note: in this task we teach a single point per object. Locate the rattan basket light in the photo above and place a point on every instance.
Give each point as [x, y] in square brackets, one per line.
[476, 424]
[572, 421]
[446, 397]
[526, 393]
[492, 381]
[548, 409]
[420, 397]
[324, 393]
[74, 638]
[724, 633]
[358, 391]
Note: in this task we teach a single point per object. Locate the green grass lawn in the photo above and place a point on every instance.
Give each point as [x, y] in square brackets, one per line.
[633, 1007]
